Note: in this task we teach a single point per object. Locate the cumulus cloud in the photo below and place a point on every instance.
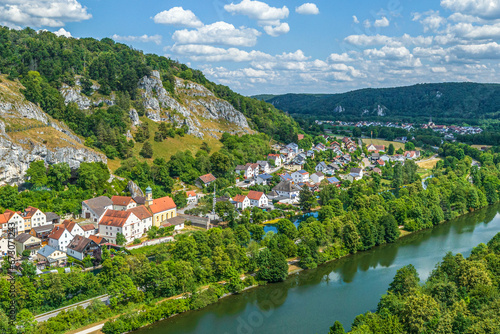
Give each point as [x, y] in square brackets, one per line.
[478, 51]
[210, 53]
[143, 39]
[220, 33]
[383, 22]
[339, 58]
[63, 32]
[178, 16]
[430, 20]
[278, 30]
[38, 13]
[486, 9]
[367, 24]
[307, 9]
[355, 19]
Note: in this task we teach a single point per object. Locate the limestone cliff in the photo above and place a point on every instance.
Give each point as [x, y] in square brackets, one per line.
[28, 134]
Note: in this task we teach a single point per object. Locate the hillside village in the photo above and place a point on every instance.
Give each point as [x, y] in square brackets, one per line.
[49, 240]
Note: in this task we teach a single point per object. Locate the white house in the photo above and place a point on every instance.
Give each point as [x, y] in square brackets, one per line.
[355, 174]
[51, 255]
[245, 170]
[264, 166]
[294, 148]
[144, 215]
[287, 189]
[124, 222]
[95, 208]
[80, 247]
[321, 167]
[11, 219]
[123, 203]
[257, 198]
[300, 176]
[60, 238]
[275, 159]
[317, 177]
[33, 217]
[264, 179]
[192, 198]
[88, 230]
[241, 202]
[73, 228]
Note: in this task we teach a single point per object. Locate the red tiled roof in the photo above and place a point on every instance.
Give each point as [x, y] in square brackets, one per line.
[255, 195]
[239, 198]
[88, 227]
[162, 204]
[122, 200]
[29, 212]
[115, 218]
[300, 136]
[69, 225]
[207, 178]
[141, 212]
[98, 240]
[190, 194]
[57, 232]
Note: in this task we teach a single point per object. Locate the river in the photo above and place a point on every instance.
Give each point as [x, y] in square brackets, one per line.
[311, 301]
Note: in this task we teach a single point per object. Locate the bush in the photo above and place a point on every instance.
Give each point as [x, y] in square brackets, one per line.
[137, 241]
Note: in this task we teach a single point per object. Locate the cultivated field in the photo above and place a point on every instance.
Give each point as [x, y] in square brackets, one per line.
[428, 164]
[396, 144]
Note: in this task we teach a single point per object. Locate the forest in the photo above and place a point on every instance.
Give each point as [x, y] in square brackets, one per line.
[460, 296]
[447, 103]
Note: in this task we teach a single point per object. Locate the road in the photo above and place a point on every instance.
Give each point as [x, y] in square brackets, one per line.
[45, 316]
[91, 329]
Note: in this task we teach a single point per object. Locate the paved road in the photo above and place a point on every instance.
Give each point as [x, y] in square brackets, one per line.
[45, 316]
[91, 329]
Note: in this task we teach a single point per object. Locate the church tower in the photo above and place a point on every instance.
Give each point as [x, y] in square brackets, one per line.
[149, 196]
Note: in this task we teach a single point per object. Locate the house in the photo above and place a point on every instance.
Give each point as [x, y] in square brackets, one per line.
[4, 246]
[52, 218]
[385, 158]
[257, 198]
[374, 157]
[300, 137]
[123, 203]
[98, 240]
[412, 155]
[25, 241]
[294, 148]
[13, 220]
[81, 247]
[333, 180]
[310, 154]
[33, 217]
[42, 232]
[254, 170]
[180, 220]
[51, 256]
[139, 200]
[161, 208]
[321, 167]
[287, 189]
[123, 222]
[264, 179]
[274, 159]
[264, 166]
[398, 157]
[192, 198]
[205, 180]
[242, 170]
[88, 229]
[355, 174]
[377, 171]
[317, 177]
[95, 208]
[286, 177]
[73, 228]
[320, 147]
[300, 176]
[241, 202]
[144, 215]
[272, 195]
[59, 238]
[376, 148]
[381, 162]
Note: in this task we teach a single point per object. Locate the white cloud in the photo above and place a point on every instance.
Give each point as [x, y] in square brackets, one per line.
[260, 11]
[339, 58]
[62, 32]
[210, 53]
[367, 24]
[307, 9]
[37, 13]
[431, 20]
[439, 69]
[469, 31]
[355, 19]
[296, 56]
[383, 22]
[278, 30]
[143, 39]
[477, 51]
[178, 16]
[486, 9]
[220, 33]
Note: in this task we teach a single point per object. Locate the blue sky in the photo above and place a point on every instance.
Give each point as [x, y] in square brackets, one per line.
[277, 46]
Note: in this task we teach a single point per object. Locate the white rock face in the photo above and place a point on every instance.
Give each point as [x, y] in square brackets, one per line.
[73, 94]
[380, 110]
[16, 155]
[339, 109]
[203, 104]
[134, 116]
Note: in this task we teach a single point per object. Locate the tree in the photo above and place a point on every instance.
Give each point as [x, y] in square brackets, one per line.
[405, 281]
[287, 228]
[221, 164]
[306, 199]
[391, 228]
[58, 175]
[409, 146]
[147, 150]
[180, 199]
[37, 173]
[272, 265]
[350, 237]
[120, 239]
[25, 321]
[390, 150]
[92, 175]
[337, 328]
[356, 132]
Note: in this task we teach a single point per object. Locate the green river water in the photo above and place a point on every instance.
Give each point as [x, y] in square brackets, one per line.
[311, 301]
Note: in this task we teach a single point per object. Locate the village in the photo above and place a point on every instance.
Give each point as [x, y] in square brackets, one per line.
[51, 241]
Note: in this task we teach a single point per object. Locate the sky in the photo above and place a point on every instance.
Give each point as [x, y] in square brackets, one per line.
[277, 46]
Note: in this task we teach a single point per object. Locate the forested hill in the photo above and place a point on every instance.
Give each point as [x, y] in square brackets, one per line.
[445, 102]
[111, 70]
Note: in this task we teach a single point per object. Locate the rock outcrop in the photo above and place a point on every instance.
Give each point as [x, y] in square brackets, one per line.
[28, 134]
[192, 105]
[134, 117]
